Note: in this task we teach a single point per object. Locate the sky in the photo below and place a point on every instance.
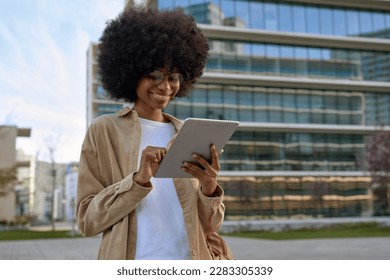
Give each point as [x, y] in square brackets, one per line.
[43, 45]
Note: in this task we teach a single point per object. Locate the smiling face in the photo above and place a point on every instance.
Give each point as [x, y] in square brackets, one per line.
[154, 94]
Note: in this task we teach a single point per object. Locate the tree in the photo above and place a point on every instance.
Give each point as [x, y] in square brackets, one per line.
[7, 179]
[377, 158]
[7, 173]
[51, 143]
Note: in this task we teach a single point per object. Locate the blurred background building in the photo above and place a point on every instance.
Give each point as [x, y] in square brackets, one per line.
[308, 80]
[11, 187]
[27, 185]
[71, 191]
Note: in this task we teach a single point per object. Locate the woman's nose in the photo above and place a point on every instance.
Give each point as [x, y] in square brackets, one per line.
[165, 85]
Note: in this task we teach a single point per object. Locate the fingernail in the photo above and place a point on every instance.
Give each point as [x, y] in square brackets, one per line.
[194, 155]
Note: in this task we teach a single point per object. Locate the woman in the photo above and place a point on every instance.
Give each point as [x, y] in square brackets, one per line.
[147, 58]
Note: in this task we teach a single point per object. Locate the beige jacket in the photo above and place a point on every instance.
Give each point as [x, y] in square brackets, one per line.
[107, 195]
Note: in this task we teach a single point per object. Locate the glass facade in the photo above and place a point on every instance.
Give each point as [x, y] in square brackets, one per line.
[294, 197]
[102, 104]
[258, 151]
[297, 61]
[293, 151]
[306, 136]
[98, 102]
[281, 105]
[286, 16]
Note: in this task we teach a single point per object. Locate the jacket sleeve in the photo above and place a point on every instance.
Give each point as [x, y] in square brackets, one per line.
[98, 206]
[211, 210]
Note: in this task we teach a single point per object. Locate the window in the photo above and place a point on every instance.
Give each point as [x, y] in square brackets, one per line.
[344, 119]
[242, 13]
[303, 117]
[330, 118]
[340, 27]
[274, 98]
[289, 100]
[245, 97]
[230, 96]
[215, 96]
[230, 114]
[198, 95]
[299, 24]
[378, 20]
[300, 55]
[285, 17]
[312, 17]
[352, 23]
[245, 115]
[100, 92]
[227, 7]
[179, 3]
[289, 117]
[214, 113]
[275, 116]
[387, 19]
[256, 15]
[261, 115]
[183, 111]
[365, 23]
[260, 99]
[271, 19]
[166, 4]
[303, 101]
[199, 112]
[326, 21]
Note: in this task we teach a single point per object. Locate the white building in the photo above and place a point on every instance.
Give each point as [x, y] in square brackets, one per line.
[9, 163]
[71, 191]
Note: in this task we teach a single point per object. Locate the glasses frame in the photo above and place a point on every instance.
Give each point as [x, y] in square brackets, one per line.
[161, 75]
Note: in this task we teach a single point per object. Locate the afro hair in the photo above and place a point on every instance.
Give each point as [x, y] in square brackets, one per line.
[140, 40]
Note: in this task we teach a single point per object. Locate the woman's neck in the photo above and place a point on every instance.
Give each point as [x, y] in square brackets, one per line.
[153, 115]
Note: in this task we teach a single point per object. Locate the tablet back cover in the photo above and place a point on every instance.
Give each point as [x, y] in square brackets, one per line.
[195, 136]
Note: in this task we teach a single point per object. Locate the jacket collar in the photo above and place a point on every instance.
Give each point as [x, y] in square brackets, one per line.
[123, 111]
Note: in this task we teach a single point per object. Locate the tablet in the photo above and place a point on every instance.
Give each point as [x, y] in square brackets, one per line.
[195, 136]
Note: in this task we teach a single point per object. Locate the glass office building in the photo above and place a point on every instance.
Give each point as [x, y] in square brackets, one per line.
[309, 81]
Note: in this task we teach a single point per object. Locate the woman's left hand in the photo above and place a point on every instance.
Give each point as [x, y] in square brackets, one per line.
[208, 175]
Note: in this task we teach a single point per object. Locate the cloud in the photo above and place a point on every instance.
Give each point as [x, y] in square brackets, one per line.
[43, 68]
[68, 128]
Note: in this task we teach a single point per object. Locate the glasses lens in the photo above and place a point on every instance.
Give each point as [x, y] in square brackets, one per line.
[175, 79]
[157, 77]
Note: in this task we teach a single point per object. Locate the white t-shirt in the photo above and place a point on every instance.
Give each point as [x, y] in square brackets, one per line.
[161, 232]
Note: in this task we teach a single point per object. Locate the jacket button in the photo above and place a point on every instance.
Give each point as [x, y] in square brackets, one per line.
[194, 252]
[188, 220]
[181, 192]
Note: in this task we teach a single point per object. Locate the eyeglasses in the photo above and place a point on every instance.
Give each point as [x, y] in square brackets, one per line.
[157, 77]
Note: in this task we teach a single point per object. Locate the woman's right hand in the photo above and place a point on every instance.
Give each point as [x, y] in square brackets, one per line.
[150, 161]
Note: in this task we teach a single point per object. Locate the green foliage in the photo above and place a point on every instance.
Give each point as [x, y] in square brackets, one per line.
[29, 234]
[377, 159]
[7, 177]
[378, 156]
[334, 231]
